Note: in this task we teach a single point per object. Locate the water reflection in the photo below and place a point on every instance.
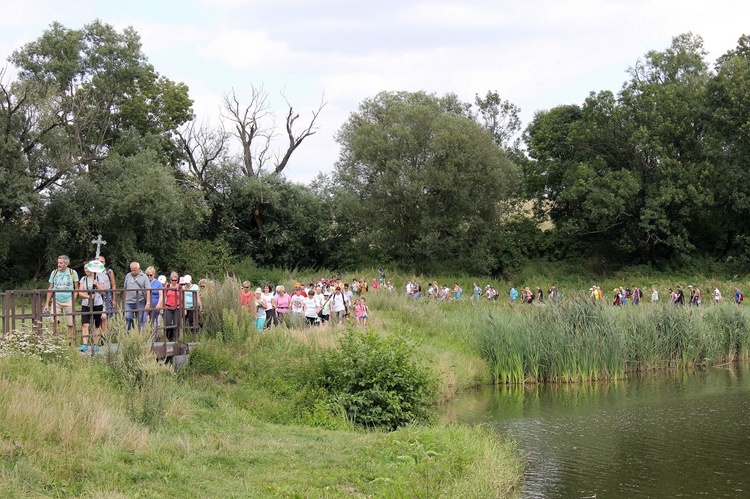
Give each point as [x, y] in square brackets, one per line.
[676, 434]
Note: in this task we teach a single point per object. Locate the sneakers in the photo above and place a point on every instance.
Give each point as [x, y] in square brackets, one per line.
[84, 348]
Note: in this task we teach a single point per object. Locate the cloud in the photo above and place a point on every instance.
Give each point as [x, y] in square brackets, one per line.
[245, 50]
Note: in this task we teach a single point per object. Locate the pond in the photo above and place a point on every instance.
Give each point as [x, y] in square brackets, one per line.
[676, 434]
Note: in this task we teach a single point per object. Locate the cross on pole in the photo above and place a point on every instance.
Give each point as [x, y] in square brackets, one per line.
[98, 242]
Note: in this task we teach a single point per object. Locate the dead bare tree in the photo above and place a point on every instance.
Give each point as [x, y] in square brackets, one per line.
[254, 125]
[296, 138]
[250, 127]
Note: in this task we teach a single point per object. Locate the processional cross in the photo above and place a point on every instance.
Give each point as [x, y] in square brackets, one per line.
[99, 242]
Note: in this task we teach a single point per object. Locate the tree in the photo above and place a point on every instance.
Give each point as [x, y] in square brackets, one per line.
[134, 202]
[274, 221]
[628, 174]
[728, 144]
[88, 93]
[500, 118]
[81, 97]
[430, 182]
[253, 125]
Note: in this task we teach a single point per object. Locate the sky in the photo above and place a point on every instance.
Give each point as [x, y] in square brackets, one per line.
[535, 54]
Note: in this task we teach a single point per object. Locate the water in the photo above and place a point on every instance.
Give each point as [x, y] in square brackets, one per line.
[663, 435]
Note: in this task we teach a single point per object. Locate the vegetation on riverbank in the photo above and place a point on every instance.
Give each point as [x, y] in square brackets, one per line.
[579, 341]
[242, 419]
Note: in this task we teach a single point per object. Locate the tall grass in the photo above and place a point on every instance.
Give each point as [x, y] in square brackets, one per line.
[576, 341]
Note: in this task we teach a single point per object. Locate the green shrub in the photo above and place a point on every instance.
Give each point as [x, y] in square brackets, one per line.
[207, 359]
[377, 381]
[144, 378]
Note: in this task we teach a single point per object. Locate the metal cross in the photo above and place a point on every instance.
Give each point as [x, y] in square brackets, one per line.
[99, 242]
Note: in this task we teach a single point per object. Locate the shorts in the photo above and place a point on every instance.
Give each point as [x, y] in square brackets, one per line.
[97, 315]
[64, 309]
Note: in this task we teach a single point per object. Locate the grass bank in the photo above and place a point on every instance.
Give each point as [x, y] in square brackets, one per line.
[241, 420]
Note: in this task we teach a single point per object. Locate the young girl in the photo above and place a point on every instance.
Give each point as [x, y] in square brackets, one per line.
[260, 310]
[361, 310]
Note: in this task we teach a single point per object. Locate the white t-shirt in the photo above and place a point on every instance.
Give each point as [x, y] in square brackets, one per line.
[298, 304]
[267, 299]
[337, 303]
[311, 307]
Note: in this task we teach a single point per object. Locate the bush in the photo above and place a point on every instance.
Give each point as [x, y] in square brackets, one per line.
[377, 381]
[142, 376]
[24, 341]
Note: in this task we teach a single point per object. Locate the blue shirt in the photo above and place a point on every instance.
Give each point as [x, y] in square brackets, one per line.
[156, 287]
[63, 279]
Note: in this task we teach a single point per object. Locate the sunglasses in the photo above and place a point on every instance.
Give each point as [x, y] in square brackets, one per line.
[150, 275]
[173, 280]
[246, 287]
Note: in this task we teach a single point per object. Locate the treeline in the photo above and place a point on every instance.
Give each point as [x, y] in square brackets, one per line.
[94, 140]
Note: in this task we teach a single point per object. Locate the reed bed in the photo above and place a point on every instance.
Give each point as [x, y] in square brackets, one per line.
[577, 341]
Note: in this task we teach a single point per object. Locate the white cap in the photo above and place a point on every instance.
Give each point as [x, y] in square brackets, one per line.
[187, 278]
[162, 279]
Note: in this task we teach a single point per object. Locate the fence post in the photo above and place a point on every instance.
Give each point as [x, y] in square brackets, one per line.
[6, 315]
[36, 312]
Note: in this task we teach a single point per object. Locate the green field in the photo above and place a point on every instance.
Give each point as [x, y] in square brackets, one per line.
[249, 416]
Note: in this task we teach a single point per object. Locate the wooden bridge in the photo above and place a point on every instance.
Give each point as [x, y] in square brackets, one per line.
[26, 307]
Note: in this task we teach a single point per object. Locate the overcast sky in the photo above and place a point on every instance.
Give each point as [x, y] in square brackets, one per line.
[536, 54]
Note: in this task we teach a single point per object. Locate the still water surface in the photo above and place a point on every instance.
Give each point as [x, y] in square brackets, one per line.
[662, 435]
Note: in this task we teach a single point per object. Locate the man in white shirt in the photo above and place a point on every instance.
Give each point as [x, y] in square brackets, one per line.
[338, 306]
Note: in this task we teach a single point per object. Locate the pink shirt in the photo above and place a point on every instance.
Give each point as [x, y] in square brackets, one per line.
[282, 303]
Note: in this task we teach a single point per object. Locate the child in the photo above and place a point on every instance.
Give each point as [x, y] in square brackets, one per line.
[260, 310]
[361, 311]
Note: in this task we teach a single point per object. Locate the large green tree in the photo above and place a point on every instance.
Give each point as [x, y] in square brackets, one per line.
[429, 181]
[728, 143]
[80, 97]
[86, 93]
[629, 174]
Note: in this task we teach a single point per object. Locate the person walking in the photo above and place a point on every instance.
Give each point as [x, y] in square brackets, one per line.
[717, 295]
[107, 282]
[172, 306]
[157, 297]
[136, 303]
[92, 305]
[63, 278]
[193, 302]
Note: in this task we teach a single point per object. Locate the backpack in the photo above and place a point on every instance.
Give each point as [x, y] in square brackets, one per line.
[72, 278]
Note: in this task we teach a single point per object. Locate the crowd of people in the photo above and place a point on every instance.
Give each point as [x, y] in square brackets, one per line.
[174, 302]
[145, 299]
[327, 301]
[621, 296]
